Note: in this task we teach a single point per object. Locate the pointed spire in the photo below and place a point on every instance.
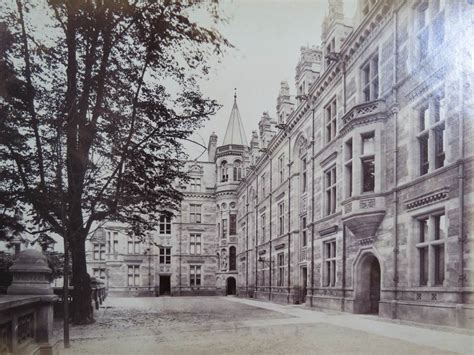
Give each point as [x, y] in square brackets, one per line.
[235, 133]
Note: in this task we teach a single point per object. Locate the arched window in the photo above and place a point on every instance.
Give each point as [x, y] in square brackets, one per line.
[232, 259]
[237, 170]
[224, 173]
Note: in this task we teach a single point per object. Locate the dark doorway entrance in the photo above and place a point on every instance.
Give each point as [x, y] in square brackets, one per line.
[367, 285]
[165, 285]
[374, 286]
[231, 286]
[304, 286]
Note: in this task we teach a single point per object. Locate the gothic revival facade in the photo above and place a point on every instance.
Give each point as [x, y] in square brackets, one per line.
[357, 197]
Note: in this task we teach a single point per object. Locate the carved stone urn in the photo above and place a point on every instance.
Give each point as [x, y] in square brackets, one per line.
[30, 273]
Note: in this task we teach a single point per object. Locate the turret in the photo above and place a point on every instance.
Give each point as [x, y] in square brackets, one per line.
[211, 147]
[335, 30]
[267, 130]
[307, 70]
[285, 105]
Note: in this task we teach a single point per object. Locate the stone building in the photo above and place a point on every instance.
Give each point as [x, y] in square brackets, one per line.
[358, 196]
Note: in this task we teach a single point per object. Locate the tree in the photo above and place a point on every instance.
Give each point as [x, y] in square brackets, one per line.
[96, 98]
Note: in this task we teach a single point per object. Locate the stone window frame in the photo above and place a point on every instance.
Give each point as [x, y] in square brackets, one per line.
[195, 184]
[368, 157]
[195, 275]
[133, 275]
[428, 28]
[165, 256]
[195, 213]
[263, 188]
[281, 269]
[263, 227]
[329, 262]
[330, 120]
[232, 224]
[429, 156]
[304, 231]
[224, 168]
[330, 190]
[98, 272]
[237, 170]
[164, 225]
[370, 82]
[281, 218]
[133, 244]
[428, 248]
[224, 228]
[195, 243]
[348, 167]
[98, 251]
[281, 168]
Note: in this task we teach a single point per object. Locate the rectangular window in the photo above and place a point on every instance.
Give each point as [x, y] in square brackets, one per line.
[99, 273]
[133, 244]
[330, 189]
[348, 163]
[281, 167]
[304, 232]
[195, 275]
[165, 225]
[195, 184]
[195, 244]
[439, 146]
[262, 182]
[165, 255]
[370, 79]
[281, 218]
[224, 228]
[368, 162]
[98, 251]
[133, 275]
[331, 120]
[263, 226]
[304, 176]
[232, 224]
[195, 214]
[432, 133]
[432, 234]
[330, 263]
[281, 269]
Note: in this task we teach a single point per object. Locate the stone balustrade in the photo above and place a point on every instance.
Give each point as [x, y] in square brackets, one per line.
[26, 312]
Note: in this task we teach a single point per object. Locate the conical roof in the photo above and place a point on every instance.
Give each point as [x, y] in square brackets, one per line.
[235, 133]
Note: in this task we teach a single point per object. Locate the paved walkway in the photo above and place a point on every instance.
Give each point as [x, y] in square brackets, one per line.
[229, 325]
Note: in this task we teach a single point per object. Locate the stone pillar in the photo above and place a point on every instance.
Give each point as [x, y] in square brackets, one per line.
[31, 273]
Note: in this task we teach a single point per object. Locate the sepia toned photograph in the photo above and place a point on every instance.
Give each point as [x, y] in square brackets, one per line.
[236, 177]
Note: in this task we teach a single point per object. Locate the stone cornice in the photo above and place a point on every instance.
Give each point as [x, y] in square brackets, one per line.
[427, 199]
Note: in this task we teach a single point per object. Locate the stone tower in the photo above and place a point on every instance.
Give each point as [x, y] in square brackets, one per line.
[229, 158]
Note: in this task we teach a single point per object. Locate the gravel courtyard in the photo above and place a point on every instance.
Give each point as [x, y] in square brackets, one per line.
[228, 325]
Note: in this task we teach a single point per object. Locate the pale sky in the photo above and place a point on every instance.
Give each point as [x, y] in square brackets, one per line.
[267, 35]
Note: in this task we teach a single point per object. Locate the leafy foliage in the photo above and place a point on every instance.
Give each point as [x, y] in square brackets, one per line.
[95, 99]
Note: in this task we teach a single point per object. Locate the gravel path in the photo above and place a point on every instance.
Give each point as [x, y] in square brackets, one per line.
[220, 325]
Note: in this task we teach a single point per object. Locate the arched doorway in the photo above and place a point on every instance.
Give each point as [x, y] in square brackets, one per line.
[231, 286]
[367, 285]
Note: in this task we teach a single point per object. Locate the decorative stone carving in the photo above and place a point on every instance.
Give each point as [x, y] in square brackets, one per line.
[367, 203]
[31, 273]
[427, 199]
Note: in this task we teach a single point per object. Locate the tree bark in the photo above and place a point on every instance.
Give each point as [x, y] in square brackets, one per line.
[82, 311]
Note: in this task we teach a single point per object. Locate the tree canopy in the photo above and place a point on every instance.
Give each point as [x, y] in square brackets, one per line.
[95, 99]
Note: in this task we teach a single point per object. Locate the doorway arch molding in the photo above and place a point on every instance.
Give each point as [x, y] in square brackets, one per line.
[361, 267]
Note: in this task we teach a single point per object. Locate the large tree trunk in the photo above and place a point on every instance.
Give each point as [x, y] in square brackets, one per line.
[82, 311]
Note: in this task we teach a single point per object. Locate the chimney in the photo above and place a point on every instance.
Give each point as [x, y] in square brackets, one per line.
[212, 146]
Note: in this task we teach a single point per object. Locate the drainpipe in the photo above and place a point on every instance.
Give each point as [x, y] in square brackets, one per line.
[270, 242]
[312, 210]
[395, 165]
[289, 217]
[180, 253]
[247, 240]
[461, 237]
[256, 232]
